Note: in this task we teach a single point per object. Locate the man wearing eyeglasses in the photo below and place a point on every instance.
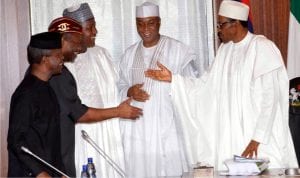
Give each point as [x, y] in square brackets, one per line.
[240, 105]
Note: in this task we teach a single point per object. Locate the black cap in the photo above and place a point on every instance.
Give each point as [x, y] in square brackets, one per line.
[46, 40]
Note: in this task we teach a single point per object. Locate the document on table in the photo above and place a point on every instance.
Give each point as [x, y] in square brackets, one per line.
[245, 166]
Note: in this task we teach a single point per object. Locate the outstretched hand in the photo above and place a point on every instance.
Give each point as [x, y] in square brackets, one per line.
[251, 149]
[164, 74]
[125, 110]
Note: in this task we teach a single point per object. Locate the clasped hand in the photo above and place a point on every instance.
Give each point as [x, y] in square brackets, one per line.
[137, 93]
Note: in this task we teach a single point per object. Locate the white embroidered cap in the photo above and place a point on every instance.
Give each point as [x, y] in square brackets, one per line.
[147, 9]
[234, 10]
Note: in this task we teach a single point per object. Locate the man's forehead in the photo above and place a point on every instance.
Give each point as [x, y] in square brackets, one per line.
[88, 22]
[74, 35]
[147, 19]
[222, 18]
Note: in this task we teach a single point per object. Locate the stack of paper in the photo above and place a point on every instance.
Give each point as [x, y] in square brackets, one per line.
[245, 166]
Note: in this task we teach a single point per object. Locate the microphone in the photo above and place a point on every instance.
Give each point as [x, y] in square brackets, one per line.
[26, 150]
[86, 137]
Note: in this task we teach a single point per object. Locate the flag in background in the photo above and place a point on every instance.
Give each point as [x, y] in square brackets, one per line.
[293, 59]
[250, 26]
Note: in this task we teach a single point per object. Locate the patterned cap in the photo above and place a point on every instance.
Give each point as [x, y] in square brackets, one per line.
[81, 12]
[64, 25]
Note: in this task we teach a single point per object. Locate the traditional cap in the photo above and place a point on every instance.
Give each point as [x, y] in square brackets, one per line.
[147, 9]
[234, 10]
[81, 12]
[46, 40]
[65, 25]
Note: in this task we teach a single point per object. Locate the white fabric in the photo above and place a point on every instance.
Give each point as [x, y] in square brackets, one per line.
[234, 9]
[96, 80]
[243, 96]
[152, 143]
[14, 38]
[190, 21]
[147, 9]
[293, 62]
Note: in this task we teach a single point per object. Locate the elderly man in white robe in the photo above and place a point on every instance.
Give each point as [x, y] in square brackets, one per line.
[240, 105]
[152, 144]
[96, 79]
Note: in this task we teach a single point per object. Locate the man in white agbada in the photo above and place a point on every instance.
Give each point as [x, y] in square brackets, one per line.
[152, 145]
[240, 105]
[96, 80]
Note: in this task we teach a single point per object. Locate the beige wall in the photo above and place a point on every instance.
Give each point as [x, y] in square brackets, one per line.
[14, 36]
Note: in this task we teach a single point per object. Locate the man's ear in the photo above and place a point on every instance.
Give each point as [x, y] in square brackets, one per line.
[44, 60]
[63, 39]
[159, 21]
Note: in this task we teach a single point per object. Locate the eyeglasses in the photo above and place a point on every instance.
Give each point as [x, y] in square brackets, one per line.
[221, 25]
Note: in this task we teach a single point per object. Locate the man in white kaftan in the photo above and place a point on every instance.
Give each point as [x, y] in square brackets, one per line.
[152, 143]
[240, 105]
[96, 79]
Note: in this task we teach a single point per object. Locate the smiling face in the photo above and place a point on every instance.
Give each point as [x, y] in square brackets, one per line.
[148, 29]
[89, 31]
[72, 44]
[55, 61]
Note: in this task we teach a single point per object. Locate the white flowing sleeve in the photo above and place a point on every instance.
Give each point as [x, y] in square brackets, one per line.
[268, 87]
[269, 79]
[188, 99]
[190, 67]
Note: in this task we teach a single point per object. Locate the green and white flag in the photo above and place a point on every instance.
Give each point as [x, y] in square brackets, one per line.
[293, 61]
